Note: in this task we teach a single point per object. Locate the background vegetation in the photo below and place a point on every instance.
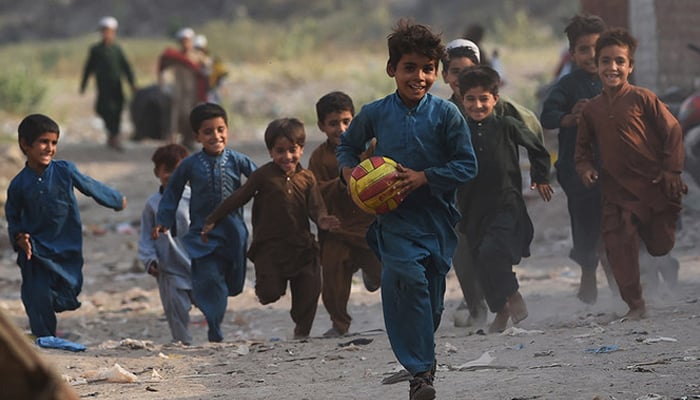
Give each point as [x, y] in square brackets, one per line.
[282, 54]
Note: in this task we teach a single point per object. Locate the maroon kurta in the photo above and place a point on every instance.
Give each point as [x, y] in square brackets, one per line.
[283, 248]
[345, 250]
[637, 138]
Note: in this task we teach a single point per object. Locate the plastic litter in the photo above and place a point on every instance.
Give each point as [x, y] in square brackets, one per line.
[603, 349]
[53, 342]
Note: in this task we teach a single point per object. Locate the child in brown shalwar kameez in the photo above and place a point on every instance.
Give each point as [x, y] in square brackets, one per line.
[283, 249]
[344, 250]
[640, 145]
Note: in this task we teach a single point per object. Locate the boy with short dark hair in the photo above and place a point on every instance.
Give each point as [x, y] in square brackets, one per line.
[218, 266]
[166, 258]
[495, 221]
[429, 139]
[283, 248]
[462, 54]
[640, 147]
[343, 251]
[43, 222]
[561, 110]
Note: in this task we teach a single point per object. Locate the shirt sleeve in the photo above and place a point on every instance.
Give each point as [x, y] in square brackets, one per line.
[13, 213]
[461, 165]
[87, 70]
[354, 141]
[555, 107]
[315, 203]
[147, 249]
[236, 200]
[583, 154]
[671, 134]
[540, 160]
[103, 194]
[172, 194]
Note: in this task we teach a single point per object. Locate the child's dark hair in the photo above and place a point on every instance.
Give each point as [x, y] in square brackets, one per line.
[459, 52]
[479, 76]
[408, 37]
[33, 126]
[205, 111]
[581, 25]
[616, 37]
[333, 102]
[290, 128]
[169, 155]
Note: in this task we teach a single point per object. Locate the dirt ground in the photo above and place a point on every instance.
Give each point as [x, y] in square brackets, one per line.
[563, 350]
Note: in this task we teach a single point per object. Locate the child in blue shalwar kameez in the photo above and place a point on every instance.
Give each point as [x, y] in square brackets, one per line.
[218, 265]
[44, 223]
[429, 139]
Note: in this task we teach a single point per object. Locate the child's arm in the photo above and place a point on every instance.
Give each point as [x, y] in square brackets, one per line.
[352, 143]
[557, 110]
[103, 194]
[584, 152]
[461, 164]
[540, 160]
[673, 154]
[146, 247]
[165, 217]
[317, 208]
[19, 238]
[236, 200]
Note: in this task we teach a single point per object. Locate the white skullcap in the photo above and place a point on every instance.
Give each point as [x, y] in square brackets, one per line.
[464, 43]
[108, 23]
[200, 42]
[185, 33]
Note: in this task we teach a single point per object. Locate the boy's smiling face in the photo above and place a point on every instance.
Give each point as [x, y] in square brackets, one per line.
[334, 124]
[614, 66]
[41, 151]
[584, 52]
[414, 75]
[451, 74]
[213, 135]
[286, 154]
[478, 103]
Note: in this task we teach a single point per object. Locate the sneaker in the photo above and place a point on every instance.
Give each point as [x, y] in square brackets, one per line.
[421, 387]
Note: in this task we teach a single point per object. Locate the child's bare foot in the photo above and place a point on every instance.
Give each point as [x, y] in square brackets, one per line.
[588, 290]
[517, 307]
[635, 314]
[501, 321]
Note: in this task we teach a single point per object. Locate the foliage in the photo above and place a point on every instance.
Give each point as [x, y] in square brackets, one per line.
[20, 91]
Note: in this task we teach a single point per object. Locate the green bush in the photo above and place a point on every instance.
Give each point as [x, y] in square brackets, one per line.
[20, 92]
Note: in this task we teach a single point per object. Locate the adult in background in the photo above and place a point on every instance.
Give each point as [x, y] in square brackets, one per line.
[181, 74]
[107, 61]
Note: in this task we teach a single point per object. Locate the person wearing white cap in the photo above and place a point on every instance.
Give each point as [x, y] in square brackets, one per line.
[181, 74]
[463, 54]
[107, 62]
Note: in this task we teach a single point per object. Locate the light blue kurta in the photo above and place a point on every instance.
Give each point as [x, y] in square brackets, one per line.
[44, 206]
[173, 262]
[416, 241]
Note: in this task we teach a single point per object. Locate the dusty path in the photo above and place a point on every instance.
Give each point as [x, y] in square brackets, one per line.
[552, 358]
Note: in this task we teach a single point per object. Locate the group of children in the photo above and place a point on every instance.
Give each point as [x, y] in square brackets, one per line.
[458, 170]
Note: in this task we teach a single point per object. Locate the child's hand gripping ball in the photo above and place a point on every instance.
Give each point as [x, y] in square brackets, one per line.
[373, 185]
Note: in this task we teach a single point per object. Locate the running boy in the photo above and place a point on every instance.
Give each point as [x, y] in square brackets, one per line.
[640, 148]
[429, 139]
[496, 224]
[283, 248]
[345, 250]
[166, 258]
[44, 223]
[461, 54]
[218, 266]
[561, 110]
